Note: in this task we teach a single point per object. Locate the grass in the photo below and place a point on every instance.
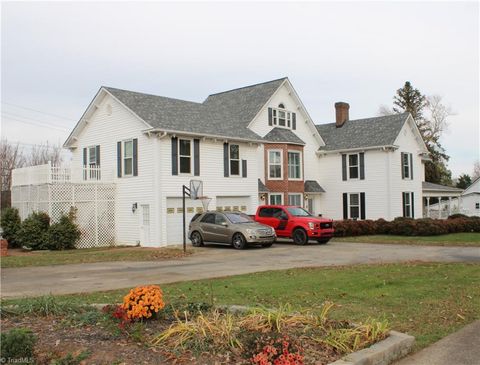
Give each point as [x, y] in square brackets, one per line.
[453, 239]
[428, 301]
[89, 255]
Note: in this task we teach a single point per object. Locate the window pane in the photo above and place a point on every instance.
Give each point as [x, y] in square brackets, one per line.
[209, 218]
[274, 156]
[219, 219]
[407, 198]
[294, 199]
[354, 212]
[128, 149]
[353, 172]
[234, 151]
[92, 156]
[275, 199]
[354, 199]
[406, 171]
[185, 165]
[184, 147]
[234, 167]
[128, 166]
[275, 171]
[353, 160]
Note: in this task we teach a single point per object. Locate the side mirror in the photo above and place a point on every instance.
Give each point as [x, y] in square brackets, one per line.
[225, 224]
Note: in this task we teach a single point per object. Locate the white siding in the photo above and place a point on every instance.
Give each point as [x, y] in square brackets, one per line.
[106, 129]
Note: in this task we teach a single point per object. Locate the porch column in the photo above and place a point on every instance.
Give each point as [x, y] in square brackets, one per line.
[428, 207]
[439, 207]
[449, 205]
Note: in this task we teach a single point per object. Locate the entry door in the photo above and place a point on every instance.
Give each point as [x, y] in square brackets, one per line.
[145, 224]
[310, 206]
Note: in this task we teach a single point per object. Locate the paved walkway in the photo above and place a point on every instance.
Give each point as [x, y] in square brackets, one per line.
[459, 348]
[215, 261]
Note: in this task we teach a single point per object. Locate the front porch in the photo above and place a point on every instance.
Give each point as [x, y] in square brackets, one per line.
[440, 201]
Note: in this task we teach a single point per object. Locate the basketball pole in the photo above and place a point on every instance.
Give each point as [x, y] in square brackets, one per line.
[185, 192]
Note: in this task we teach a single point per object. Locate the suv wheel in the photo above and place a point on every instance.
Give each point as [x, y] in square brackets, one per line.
[300, 237]
[238, 241]
[196, 238]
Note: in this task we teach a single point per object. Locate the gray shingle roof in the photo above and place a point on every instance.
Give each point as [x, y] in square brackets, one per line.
[226, 114]
[369, 132]
[262, 188]
[312, 186]
[283, 135]
[432, 186]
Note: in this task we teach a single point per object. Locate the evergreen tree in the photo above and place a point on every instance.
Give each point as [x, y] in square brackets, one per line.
[410, 99]
[464, 181]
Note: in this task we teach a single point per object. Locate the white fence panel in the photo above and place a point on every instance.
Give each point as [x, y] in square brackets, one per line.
[95, 205]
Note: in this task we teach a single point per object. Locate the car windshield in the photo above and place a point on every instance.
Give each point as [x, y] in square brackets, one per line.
[298, 212]
[238, 218]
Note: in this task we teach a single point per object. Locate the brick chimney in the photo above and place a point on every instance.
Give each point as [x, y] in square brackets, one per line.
[341, 113]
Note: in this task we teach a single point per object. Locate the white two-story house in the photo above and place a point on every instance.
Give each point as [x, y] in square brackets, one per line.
[249, 146]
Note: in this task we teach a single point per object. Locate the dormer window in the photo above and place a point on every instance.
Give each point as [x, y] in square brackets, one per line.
[281, 117]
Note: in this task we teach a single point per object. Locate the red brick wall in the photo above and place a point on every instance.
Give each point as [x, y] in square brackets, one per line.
[284, 186]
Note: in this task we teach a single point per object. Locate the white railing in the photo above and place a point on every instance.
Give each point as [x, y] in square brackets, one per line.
[50, 174]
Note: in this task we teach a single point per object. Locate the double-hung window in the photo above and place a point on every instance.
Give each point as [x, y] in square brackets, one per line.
[354, 206]
[295, 199]
[185, 156]
[408, 205]
[92, 155]
[294, 165]
[128, 157]
[276, 198]
[234, 160]
[407, 167]
[274, 164]
[281, 117]
[353, 166]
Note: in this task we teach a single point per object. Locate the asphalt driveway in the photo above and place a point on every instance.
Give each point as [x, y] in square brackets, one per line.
[215, 261]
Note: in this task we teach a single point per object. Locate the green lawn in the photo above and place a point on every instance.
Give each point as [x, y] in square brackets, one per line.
[453, 239]
[79, 256]
[428, 301]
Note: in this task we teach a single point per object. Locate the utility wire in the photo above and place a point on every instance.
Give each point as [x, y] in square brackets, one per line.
[38, 124]
[10, 115]
[38, 111]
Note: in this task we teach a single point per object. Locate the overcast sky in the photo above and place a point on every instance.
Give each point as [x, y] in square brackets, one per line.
[55, 56]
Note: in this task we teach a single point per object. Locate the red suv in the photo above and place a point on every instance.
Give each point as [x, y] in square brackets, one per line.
[296, 223]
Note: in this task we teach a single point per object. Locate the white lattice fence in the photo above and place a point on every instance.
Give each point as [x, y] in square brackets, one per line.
[95, 204]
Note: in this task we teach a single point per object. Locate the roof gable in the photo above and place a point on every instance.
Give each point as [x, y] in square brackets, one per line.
[362, 133]
[282, 135]
[474, 187]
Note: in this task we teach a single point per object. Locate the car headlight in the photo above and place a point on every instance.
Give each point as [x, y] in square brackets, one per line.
[311, 225]
[249, 231]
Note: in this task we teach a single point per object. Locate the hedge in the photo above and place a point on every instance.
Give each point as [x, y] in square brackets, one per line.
[407, 226]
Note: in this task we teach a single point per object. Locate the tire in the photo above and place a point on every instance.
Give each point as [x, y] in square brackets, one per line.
[196, 238]
[238, 241]
[300, 237]
[265, 245]
[323, 241]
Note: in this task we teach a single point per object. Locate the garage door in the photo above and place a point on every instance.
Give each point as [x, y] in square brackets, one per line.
[175, 218]
[230, 203]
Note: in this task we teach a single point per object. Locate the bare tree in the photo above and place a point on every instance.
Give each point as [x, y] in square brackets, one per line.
[42, 153]
[476, 170]
[11, 157]
[436, 122]
[384, 110]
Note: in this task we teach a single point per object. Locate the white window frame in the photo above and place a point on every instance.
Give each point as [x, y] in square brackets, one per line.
[125, 157]
[354, 206]
[276, 117]
[275, 194]
[407, 169]
[275, 164]
[295, 194]
[89, 149]
[299, 165]
[353, 166]
[408, 213]
[190, 141]
[234, 159]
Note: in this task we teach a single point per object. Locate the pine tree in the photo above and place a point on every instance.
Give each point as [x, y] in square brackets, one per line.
[409, 100]
[464, 181]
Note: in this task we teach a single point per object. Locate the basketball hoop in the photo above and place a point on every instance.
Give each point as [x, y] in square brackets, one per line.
[205, 202]
[196, 189]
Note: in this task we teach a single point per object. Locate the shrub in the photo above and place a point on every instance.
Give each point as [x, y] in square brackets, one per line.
[10, 222]
[143, 302]
[33, 232]
[63, 235]
[17, 345]
[457, 215]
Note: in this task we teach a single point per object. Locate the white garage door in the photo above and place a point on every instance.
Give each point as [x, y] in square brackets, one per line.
[175, 218]
[238, 203]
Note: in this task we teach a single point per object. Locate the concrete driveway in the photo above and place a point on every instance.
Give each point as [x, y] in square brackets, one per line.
[215, 261]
